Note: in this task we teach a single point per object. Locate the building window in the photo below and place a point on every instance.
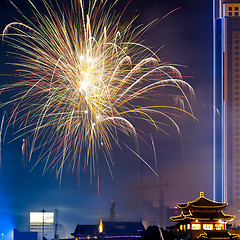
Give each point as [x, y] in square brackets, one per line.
[236, 58]
[236, 8]
[230, 8]
[236, 13]
[207, 226]
[219, 227]
[230, 13]
[196, 226]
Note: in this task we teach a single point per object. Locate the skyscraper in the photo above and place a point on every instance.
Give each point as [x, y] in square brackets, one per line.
[226, 102]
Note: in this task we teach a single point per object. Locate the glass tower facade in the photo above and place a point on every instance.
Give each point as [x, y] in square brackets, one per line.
[226, 102]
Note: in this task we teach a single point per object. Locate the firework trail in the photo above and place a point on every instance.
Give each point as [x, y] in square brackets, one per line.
[84, 77]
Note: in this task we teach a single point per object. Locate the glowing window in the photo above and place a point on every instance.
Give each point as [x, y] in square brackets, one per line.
[188, 226]
[196, 226]
[207, 226]
[219, 227]
[180, 227]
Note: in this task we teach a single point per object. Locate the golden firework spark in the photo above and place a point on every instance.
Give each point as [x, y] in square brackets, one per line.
[85, 77]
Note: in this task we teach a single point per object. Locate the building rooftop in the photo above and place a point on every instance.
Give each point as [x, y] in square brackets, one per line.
[218, 235]
[110, 229]
[231, 1]
[202, 216]
[203, 203]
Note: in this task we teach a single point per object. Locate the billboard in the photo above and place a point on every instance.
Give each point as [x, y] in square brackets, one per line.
[40, 217]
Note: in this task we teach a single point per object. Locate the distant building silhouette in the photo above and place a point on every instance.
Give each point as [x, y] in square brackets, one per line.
[109, 230]
[24, 235]
[226, 102]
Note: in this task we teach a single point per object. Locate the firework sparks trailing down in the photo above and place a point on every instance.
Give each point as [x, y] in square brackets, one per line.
[83, 78]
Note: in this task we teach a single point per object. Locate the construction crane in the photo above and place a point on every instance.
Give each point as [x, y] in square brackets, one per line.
[112, 211]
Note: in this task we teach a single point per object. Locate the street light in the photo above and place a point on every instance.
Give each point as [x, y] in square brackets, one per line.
[43, 211]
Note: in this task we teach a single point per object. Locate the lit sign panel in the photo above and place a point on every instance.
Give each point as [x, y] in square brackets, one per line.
[207, 226]
[37, 217]
[196, 226]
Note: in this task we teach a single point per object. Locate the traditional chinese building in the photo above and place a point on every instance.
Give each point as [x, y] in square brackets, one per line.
[202, 218]
[109, 230]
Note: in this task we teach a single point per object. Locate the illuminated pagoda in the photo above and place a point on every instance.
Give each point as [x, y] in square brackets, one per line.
[202, 219]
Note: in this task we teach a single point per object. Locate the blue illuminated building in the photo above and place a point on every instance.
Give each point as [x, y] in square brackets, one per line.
[226, 102]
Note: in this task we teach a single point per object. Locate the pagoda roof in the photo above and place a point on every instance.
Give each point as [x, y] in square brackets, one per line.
[216, 234]
[202, 216]
[202, 202]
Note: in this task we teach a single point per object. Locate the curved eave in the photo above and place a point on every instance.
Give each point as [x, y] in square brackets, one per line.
[183, 217]
[202, 202]
[189, 205]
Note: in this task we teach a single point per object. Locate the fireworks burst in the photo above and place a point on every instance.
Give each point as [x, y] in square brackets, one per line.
[84, 78]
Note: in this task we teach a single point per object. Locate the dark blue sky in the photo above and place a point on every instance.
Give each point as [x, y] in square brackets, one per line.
[187, 38]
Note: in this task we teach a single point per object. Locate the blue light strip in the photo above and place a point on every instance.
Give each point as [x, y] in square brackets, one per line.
[223, 110]
[223, 154]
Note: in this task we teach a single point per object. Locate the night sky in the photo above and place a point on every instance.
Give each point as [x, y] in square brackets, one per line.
[186, 35]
